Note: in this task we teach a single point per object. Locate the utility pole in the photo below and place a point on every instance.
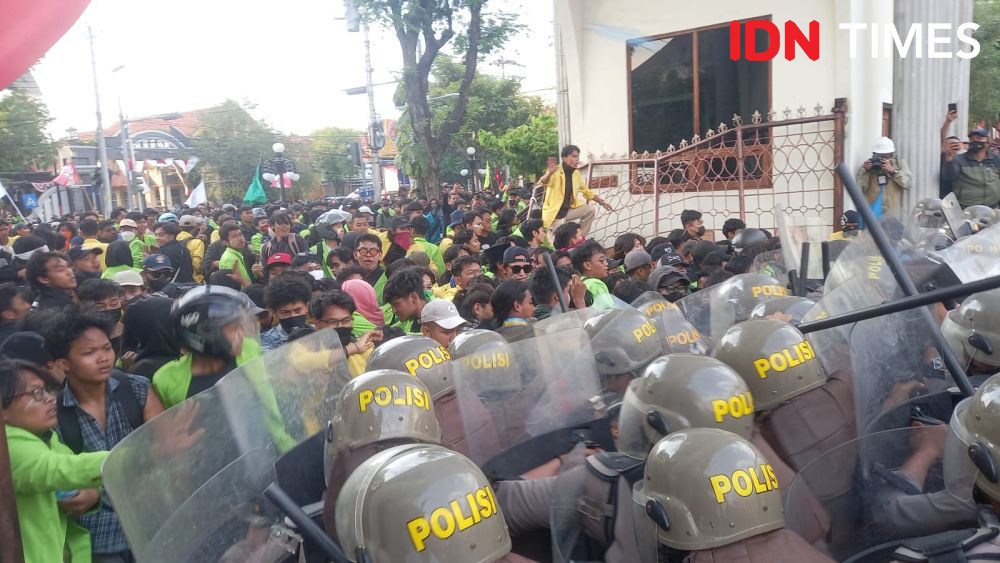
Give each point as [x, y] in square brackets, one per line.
[372, 146]
[102, 149]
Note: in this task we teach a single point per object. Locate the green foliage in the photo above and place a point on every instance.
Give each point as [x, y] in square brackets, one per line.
[230, 144]
[330, 154]
[24, 145]
[526, 147]
[984, 91]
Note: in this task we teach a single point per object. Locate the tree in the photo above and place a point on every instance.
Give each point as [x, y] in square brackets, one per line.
[230, 144]
[424, 28]
[331, 154]
[24, 145]
[526, 147]
[495, 106]
[984, 91]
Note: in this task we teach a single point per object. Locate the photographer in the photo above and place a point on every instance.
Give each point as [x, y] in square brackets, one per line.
[884, 177]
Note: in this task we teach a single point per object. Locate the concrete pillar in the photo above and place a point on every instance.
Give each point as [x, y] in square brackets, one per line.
[923, 88]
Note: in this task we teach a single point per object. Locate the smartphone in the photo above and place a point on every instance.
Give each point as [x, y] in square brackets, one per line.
[952, 107]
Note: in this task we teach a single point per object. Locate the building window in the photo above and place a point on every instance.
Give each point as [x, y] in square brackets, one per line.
[684, 83]
[154, 143]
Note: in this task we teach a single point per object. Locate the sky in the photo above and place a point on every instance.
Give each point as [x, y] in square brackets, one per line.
[292, 59]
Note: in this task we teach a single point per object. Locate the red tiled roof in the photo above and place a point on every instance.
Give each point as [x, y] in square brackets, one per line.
[188, 124]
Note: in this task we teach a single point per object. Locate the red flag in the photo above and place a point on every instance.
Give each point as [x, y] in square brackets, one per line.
[29, 29]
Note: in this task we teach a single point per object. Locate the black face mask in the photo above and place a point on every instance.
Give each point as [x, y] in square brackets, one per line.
[976, 146]
[157, 284]
[345, 334]
[701, 231]
[292, 323]
[111, 315]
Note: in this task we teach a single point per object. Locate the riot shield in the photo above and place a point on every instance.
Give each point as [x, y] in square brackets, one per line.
[187, 485]
[575, 318]
[832, 345]
[896, 369]
[678, 335]
[771, 263]
[889, 500]
[974, 257]
[794, 230]
[712, 311]
[565, 516]
[533, 390]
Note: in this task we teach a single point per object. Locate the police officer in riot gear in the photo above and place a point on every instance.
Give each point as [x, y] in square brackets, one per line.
[790, 309]
[713, 494]
[375, 411]
[790, 386]
[624, 342]
[420, 502]
[972, 332]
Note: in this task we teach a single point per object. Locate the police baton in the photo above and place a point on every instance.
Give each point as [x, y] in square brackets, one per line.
[902, 278]
[550, 265]
[309, 529]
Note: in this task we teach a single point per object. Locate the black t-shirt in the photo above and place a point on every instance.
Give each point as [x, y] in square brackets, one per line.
[200, 383]
[568, 193]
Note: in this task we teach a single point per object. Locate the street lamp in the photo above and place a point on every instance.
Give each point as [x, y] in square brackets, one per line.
[465, 172]
[277, 167]
[471, 151]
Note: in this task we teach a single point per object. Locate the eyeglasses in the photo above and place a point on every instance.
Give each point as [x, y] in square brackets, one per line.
[40, 394]
[368, 251]
[518, 268]
[336, 323]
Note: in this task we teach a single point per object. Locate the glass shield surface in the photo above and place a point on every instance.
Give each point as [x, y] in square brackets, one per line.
[974, 257]
[889, 499]
[510, 395]
[795, 230]
[575, 318]
[187, 485]
[678, 335]
[833, 344]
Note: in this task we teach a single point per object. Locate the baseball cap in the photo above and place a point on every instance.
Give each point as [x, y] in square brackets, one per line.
[668, 255]
[666, 275]
[128, 278]
[156, 262]
[399, 223]
[28, 346]
[303, 258]
[164, 217]
[637, 258]
[513, 253]
[279, 258]
[188, 221]
[228, 207]
[850, 216]
[77, 252]
[456, 217]
[442, 312]
[128, 223]
[365, 210]
[980, 132]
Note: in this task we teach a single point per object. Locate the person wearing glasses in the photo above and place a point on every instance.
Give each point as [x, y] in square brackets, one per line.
[368, 254]
[335, 309]
[516, 264]
[44, 470]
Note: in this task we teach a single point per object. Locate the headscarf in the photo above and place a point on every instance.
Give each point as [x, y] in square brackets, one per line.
[365, 300]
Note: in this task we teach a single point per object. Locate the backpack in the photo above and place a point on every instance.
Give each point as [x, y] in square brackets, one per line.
[69, 424]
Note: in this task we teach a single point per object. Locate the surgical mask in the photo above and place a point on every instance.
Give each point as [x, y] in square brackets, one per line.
[976, 146]
[292, 323]
[26, 255]
[404, 240]
[316, 274]
[111, 315]
[345, 333]
[128, 236]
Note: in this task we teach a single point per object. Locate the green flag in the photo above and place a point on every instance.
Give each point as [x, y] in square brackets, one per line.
[255, 191]
[486, 180]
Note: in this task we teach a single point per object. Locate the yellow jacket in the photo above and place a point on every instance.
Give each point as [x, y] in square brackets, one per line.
[196, 248]
[555, 188]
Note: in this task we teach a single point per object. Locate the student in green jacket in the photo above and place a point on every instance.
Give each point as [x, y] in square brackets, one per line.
[217, 329]
[590, 260]
[420, 227]
[43, 469]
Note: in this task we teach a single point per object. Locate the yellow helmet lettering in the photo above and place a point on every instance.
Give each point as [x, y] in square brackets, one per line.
[769, 291]
[736, 406]
[782, 360]
[411, 366]
[457, 516]
[744, 482]
[365, 398]
[645, 331]
[487, 360]
[383, 396]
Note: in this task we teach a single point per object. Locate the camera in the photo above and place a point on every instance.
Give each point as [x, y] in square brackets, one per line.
[876, 162]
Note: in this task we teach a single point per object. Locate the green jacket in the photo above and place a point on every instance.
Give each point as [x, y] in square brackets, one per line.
[139, 246]
[256, 241]
[595, 287]
[39, 468]
[233, 260]
[172, 380]
[433, 252]
[380, 286]
[110, 272]
[322, 250]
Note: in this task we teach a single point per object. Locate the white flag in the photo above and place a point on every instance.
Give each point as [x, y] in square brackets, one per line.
[197, 196]
[190, 164]
[3, 191]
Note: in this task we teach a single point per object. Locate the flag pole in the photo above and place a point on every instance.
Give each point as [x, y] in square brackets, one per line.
[180, 174]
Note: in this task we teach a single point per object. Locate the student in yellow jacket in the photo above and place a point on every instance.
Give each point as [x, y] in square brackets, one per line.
[564, 189]
[49, 479]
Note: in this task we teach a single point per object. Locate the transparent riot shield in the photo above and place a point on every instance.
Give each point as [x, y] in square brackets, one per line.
[896, 370]
[712, 311]
[974, 257]
[520, 406]
[910, 482]
[771, 263]
[796, 229]
[566, 503]
[575, 318]
[832, 345]
[187, 485]
[678, 335]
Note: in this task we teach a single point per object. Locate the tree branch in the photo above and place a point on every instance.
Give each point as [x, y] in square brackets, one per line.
[457, 113]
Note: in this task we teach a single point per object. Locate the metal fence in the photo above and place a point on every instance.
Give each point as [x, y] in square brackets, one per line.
[739, 170]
